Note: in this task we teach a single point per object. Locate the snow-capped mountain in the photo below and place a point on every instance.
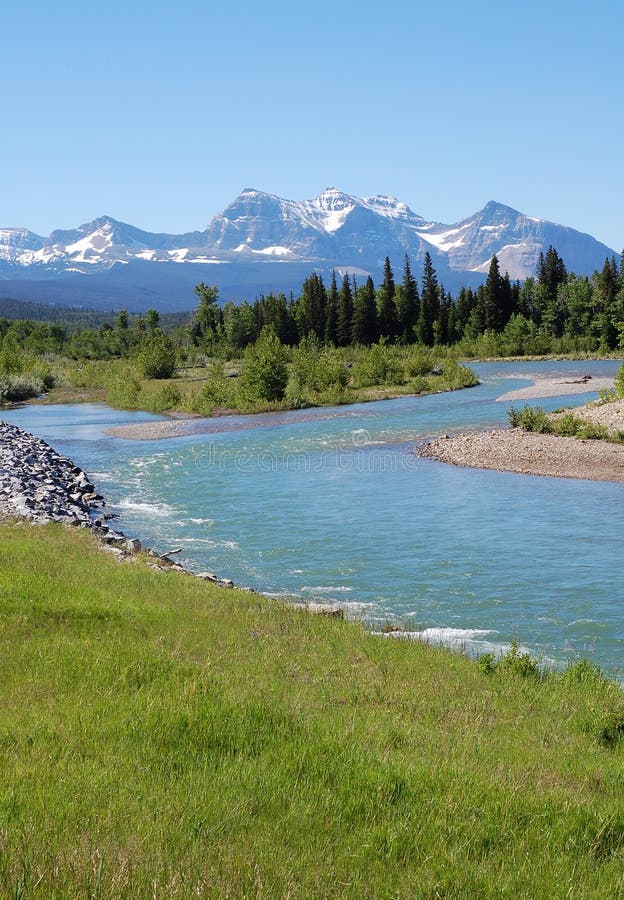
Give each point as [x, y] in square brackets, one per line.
[262, 242]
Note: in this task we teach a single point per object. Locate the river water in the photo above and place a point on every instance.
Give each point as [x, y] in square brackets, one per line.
[334, 505]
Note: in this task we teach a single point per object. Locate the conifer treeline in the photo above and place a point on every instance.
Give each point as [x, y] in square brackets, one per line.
[553, 311]
[554, 302]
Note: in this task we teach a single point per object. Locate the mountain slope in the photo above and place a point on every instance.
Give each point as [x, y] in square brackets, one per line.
[262, 242]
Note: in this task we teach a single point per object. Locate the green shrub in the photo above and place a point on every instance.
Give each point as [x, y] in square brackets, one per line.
[592, 431]
[530, 418]
[511, 663]
[419, 385]
[315, 373]
[156, 358]
[567, 425]
[611, 731]
[619, 381]
[517, 663]
[168, 397]
[487, 664]
[583, 672]
[218, 390]
[381, 365]
[455, 376]
[124, 388]
[419, 363]
[265, 371]
[15, 388]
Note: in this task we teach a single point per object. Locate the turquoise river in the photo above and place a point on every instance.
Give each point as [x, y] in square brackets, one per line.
[335, 505]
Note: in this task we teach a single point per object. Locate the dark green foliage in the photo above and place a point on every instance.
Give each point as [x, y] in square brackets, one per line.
[344, 323]
[429, 303]
[407, 304]
[387, 312]
[152, 319]
[331, 318]
[551, 272]
[612, 731]
[365, 325]
[534, 419]
[317, 375]
[510, 663]
[530, 418]
[310, 310]
[380, 366]
[156, 357]
[265, 372]
[496, 298]
[208, 318]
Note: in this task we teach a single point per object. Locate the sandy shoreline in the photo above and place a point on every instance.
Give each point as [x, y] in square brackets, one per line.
[514, 450]
[151, 431]
[552, 387]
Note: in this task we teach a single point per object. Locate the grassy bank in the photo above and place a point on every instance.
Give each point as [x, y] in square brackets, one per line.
[164, 738]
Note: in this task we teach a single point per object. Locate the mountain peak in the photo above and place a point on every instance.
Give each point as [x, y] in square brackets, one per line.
[493, 206]
[262, 241]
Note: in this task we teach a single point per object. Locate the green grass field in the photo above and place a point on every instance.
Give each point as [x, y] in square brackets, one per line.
[161, 737]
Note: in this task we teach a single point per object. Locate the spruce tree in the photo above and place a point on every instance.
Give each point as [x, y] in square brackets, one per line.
[429, 302]
[311, 308]
[208, 316]
[331, 318]
[551, 272]
[387, 311]
[365, 315]
[493, 297]
[407, 302]
[344, 318]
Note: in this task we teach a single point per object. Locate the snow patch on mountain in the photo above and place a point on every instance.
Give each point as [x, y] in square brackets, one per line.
[260, 238]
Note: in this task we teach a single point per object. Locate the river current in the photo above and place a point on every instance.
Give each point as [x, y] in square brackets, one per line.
[334, 505]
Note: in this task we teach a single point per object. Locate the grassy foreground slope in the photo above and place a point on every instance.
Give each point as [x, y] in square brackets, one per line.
[160, 737]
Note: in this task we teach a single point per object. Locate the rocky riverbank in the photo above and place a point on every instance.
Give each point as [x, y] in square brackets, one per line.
[41, 486]
[38, 484]
[530, 453]
[527, 453]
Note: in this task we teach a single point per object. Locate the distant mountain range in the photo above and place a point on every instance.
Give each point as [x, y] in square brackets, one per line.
[262, 242]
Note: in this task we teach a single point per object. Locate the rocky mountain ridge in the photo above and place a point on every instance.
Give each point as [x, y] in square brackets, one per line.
[262, 242]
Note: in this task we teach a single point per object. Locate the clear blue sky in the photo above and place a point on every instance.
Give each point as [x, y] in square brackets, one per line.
[159, 113]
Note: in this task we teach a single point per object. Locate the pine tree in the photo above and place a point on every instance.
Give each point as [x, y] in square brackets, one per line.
[604, 299]
[311, 308]
[152, 319]
[331, 318]
[463, 309]
[365, 315]
[407, 303]
[429, 302]
[493, 297]
[344, 318]
[208, 316]
[441, 324]
[551, 272]
[387, 311]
